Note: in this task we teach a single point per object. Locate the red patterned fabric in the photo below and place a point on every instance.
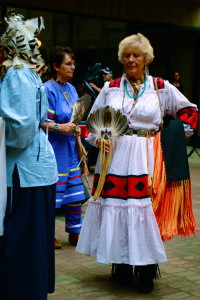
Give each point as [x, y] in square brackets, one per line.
[51, 116]
[189, 115]
[123, 187]
[160, 83]
[115, 82]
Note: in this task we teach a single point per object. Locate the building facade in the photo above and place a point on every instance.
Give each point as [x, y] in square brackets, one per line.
[95, 28]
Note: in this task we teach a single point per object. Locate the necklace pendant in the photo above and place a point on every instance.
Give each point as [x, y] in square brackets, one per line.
[66, 95]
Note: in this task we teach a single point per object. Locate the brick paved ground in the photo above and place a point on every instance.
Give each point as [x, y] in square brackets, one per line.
[79, 277]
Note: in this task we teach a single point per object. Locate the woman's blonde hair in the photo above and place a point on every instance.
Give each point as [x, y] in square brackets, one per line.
[137, 40]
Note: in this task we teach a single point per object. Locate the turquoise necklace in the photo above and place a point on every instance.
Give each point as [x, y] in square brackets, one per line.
[135, 96]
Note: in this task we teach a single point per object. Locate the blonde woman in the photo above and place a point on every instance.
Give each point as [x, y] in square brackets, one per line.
[120, 227]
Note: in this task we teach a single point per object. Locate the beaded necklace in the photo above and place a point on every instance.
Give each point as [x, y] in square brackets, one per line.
[134, 96]
[135, 84]
[65, 94]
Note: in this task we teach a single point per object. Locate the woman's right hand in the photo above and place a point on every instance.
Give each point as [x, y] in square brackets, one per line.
[67, 127]
[107, 145]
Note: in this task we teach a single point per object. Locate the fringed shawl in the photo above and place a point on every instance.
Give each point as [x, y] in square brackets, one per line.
[172, 201]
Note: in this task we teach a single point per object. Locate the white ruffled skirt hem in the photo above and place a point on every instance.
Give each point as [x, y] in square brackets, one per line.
[121, 232]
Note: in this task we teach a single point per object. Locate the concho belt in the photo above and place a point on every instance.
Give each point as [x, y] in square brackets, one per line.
[141, 132]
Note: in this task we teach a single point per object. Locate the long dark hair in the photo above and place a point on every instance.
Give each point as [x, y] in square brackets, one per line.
[56, 56]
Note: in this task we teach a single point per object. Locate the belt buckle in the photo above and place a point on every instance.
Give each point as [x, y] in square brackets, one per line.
[129, 131]
[142, 132]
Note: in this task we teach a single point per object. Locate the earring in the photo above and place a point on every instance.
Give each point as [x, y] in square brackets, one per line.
[146, 71]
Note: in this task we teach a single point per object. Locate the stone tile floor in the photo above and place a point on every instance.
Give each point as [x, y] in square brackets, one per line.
[79, 277]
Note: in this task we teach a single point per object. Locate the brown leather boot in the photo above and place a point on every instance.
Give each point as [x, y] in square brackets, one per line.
[57, 245]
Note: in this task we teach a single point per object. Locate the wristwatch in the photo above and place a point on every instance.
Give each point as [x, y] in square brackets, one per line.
[55, 126]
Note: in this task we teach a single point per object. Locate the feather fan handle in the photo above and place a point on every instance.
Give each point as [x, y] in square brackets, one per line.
[103, 154]
[82, 154]
[105, 159]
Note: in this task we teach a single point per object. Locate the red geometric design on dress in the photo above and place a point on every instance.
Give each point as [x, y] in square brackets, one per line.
[123, 187]
[115, 82]
[188, 115]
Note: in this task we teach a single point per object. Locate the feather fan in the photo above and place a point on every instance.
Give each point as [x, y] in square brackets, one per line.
[106, 123]
[107, 118]
[80, 109]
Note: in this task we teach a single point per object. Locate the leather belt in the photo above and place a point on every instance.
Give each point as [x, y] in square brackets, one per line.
[141, 132]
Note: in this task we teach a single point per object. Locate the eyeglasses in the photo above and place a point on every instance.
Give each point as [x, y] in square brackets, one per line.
[69, 64]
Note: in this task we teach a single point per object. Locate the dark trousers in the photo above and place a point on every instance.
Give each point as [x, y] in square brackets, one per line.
[27, 263]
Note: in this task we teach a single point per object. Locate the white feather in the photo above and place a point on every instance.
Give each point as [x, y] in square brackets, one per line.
[109, 118]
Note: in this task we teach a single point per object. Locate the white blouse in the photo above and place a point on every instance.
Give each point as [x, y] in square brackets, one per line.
[146, 114]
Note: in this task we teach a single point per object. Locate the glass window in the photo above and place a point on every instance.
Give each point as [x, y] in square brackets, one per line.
[96, 41]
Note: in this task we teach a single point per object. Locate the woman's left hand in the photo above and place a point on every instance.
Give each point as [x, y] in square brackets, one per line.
[77, 131]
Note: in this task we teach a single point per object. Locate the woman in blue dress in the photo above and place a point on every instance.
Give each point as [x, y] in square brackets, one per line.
[62, 96]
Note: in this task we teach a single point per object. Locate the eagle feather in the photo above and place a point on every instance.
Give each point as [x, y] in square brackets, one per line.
[107, 117]
[80, 109]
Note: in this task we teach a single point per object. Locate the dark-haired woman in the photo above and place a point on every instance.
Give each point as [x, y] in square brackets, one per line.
[61, 96]
[177, 82]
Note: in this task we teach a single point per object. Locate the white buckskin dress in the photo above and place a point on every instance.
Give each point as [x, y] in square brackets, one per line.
[120, 226]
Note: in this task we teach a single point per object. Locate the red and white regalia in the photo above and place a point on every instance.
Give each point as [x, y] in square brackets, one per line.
[120, 227]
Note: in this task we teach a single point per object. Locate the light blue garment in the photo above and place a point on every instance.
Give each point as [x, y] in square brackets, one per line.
[3, 185]
[23, 104]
